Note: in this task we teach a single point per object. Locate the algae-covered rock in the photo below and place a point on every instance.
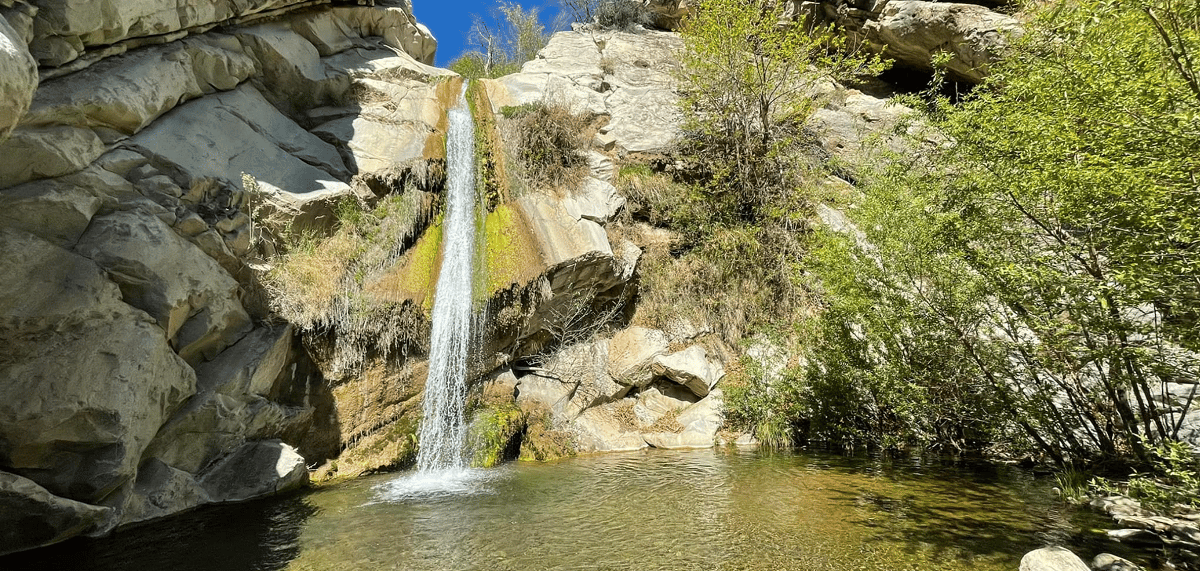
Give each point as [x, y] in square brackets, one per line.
[494, 435]
[543, 441]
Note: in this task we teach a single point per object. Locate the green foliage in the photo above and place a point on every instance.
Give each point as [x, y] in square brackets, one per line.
[1074, 484]
[749, 80]
[767, 408]
[1038, 276]
[501, 48]
[741, 198]
[1173, 481]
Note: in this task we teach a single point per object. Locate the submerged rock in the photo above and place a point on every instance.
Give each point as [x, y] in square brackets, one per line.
[1109, 562]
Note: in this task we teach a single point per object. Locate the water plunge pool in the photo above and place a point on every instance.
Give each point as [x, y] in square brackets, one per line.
[704, 509]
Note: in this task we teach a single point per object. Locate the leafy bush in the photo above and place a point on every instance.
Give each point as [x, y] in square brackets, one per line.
[1173, 481]
[771, 410]
[1045, 290]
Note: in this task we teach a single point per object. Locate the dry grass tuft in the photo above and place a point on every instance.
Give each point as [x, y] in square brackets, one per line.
[323, 283]
[550, 140]
[668, 422]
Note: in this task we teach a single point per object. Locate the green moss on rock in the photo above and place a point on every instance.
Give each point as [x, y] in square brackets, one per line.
[543, 442]
[494, 434]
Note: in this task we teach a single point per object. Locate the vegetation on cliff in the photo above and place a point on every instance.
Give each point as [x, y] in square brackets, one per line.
[1034, 283]
[1029, 286]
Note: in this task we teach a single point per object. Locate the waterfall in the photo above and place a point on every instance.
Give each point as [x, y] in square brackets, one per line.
[443, 428]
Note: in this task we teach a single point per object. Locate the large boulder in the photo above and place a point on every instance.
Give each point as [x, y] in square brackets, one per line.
[161, 490]
[604, 429]
[699, 425]
[32, 517]
[691, 368]
[915, 30]
[18, 78]
[254, 470]
[194, 300]
[583, 368]
[86, 379]
[631, 352]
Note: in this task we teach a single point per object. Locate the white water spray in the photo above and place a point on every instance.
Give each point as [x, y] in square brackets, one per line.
[443, 428]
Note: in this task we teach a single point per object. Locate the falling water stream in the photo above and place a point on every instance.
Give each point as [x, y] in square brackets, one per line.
[443, 432]
[441, 459]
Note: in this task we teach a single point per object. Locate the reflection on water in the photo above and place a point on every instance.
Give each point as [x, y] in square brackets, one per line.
[706, 509]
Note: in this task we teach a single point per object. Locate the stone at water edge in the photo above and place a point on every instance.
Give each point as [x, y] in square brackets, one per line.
[254, 470]
[32, 517]
[1052, 559]
[1109, 562]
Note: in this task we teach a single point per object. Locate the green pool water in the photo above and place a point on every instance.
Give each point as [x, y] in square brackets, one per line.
[720, 509]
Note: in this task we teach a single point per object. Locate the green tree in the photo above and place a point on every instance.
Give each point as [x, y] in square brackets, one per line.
[749, 79]
[502, 46]
[1049, 256]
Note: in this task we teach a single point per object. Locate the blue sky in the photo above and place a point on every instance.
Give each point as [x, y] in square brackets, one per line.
[450, 20]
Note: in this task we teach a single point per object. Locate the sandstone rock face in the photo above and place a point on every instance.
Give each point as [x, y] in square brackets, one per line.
[78, 408]
[66, 30]
[18, 78]
[615, 394]
[626, 76]
[187, 292]
[135, 380]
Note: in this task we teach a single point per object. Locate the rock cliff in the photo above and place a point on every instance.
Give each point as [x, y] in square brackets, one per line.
[140, 373]
[910, 32]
